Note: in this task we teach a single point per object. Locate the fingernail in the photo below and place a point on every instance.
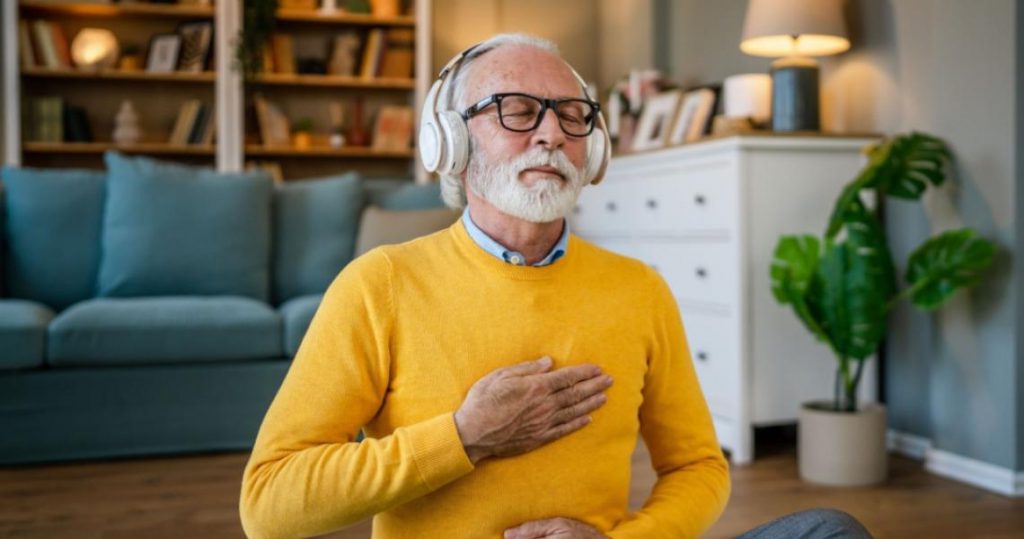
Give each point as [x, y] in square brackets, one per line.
[545, 361]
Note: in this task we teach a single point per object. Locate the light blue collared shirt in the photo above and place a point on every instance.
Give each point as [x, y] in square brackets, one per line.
[514, 257]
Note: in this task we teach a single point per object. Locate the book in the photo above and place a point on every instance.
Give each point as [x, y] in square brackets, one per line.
[60, 45]
[183, 123]
[344, 52]
[283, 53]
[25, 52]
[393, 129]
[46, 119]
[399, 54]
[76, 125]
[273, 124]
[195, 133]
[372, 50]
[44, 44]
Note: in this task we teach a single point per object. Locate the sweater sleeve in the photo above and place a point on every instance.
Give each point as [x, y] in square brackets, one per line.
[307, 475]
[693, 477]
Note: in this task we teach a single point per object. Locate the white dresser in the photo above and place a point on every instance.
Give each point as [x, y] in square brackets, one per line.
[707, 217]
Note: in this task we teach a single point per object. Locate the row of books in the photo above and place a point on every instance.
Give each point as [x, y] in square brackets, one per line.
[51, 119]
[43, 44]
[383, 53]
[195, 124]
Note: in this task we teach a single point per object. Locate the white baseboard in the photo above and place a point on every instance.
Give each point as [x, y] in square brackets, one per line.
[908, 445]
[956, 467]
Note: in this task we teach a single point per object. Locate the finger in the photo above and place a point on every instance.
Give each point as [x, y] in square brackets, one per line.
[528, 530]
[581, 408]
[537, 366]
[567, 376]
[565, 429]
[582, 391]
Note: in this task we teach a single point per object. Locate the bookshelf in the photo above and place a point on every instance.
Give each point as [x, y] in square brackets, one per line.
[159, 96]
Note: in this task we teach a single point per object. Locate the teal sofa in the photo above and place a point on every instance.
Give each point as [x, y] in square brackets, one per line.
[153, 308]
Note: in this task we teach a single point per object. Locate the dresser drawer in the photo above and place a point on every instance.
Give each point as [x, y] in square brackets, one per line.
[659, 201]
[700, 271]
[712, 341]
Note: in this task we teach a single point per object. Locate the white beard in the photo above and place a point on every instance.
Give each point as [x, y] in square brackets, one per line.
[545, 201]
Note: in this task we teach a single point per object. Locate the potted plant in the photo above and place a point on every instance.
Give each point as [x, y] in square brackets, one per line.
[302, 134]
[259, 20]
[843, 287]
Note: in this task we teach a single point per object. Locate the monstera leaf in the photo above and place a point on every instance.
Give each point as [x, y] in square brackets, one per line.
[850, 311]
[902, 167]
[946, 263]
[869, 247]
[793, 265]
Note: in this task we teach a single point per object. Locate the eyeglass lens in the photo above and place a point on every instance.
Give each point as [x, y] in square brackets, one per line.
[521, 113]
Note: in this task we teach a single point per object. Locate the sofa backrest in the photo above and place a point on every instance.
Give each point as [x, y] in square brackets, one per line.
[51, 233]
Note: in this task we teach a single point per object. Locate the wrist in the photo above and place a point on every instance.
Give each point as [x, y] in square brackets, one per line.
[473, 451]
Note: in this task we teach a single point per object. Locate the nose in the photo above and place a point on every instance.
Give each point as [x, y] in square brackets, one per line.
[549, 133]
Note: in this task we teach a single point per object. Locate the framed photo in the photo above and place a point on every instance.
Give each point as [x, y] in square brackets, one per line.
[196, 38]
[694, 115]
[656, 120]
[162, 56]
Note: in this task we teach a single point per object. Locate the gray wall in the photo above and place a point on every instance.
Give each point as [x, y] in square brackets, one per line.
[947, 67]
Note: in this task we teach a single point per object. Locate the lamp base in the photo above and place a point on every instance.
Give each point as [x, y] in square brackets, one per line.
[795, 101]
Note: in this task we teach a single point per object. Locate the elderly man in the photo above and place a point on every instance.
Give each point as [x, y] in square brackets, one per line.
[502, 368]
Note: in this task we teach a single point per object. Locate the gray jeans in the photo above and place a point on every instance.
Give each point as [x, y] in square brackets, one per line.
[811, 524]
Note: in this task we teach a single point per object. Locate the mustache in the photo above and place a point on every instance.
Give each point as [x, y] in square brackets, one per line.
[539, 157]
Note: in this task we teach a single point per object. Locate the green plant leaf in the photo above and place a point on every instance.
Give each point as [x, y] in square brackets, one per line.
[793, 265]
[869, 248]
[946, 263]
[914, 161]
[843, 297]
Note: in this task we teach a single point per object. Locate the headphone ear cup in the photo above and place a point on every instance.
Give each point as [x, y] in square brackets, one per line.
[456, 142]
[598, 153]
[431, 144]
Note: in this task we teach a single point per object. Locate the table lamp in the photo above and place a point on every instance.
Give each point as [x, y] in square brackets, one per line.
[793, 31]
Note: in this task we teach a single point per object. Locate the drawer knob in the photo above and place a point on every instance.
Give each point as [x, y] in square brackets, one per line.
[699, 200]
[702, 355]
[610, 206]
[702, 273]
[652, 204]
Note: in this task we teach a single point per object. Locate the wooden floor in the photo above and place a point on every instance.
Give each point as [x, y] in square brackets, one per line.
[197, 497]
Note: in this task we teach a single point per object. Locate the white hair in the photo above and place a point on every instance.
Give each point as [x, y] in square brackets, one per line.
[455, 98]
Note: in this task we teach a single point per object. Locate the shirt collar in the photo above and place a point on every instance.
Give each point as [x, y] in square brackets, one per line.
[514, 257]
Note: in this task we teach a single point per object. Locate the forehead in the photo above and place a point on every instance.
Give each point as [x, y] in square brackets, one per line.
[520, 68]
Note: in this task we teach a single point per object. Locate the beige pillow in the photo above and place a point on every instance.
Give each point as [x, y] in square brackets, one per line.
[384, 227]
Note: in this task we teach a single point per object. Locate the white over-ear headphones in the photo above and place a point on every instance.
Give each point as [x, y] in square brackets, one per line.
[444, 137]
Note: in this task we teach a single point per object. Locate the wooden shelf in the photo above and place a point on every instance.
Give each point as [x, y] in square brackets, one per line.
[172, 11]
[336, 81]
[355, 19]
[113, 74]
[155, 148]
[361, 152]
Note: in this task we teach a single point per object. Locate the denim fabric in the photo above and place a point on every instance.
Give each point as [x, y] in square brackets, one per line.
[811, 524]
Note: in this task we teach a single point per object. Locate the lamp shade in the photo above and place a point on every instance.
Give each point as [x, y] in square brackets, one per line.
[777, 28]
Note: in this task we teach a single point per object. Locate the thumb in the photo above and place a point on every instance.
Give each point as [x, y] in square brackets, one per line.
[529, 530]
[530, 367]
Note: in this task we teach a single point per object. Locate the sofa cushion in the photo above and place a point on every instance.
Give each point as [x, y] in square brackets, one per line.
[314, 233]
[403, 194]
[22, 333]
[177, 230]
[130, 331]
[296, 314]
[52, 233]
[383, 227]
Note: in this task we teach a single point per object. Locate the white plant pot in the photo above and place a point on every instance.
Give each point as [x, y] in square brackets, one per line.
[842, 448]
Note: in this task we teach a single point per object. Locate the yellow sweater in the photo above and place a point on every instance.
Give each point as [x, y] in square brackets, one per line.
[402, 334]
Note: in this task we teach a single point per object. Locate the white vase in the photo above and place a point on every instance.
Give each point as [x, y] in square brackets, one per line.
[126, 125]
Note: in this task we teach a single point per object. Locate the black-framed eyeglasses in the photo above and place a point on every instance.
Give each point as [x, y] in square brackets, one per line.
[524, 112]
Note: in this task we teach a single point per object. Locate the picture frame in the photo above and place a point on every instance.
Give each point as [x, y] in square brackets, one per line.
[656, 121]
[694, 116]
[162, 54]
[196, 41]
